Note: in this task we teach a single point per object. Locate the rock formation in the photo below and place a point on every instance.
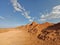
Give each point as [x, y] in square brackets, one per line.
[31, 34]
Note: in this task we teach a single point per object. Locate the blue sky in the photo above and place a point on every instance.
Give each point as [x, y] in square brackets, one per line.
[19, 12]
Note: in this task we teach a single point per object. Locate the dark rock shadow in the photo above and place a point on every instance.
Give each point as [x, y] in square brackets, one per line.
[53, 31]
[53, 27]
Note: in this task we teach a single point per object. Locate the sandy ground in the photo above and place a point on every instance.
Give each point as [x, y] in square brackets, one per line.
[14, 38]
[32, 34]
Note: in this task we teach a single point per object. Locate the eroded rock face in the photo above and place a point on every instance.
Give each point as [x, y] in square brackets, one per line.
[51, 33]
[31, 34]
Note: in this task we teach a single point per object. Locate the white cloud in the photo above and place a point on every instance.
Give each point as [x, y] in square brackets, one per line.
[17, 6]
[26, 14]
[1, 17]
[54, 14]
[43, 20]
[31, 20]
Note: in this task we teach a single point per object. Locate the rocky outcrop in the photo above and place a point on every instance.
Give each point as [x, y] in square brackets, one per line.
[51, 33]
[31, 34]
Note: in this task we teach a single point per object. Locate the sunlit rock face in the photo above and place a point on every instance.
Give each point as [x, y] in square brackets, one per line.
[31, 34]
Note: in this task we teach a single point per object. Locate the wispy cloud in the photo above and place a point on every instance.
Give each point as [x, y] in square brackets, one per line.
[1, 17]
[17, 6]
[54, 14]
